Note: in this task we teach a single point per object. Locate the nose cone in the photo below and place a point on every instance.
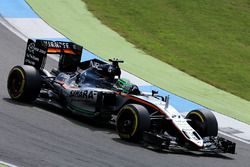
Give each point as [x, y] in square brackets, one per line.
[193, 137]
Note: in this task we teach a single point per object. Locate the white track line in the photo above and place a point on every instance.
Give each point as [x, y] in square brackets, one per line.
[34, 28]
[5, 23]
[234, 137]
[21, 35]
[7, 164]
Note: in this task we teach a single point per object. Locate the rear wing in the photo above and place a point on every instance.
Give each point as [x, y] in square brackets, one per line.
[69, 52]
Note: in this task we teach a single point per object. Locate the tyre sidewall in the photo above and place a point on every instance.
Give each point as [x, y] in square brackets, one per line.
[128, 109]
[207, 119]
[141, 121]
[31, 83]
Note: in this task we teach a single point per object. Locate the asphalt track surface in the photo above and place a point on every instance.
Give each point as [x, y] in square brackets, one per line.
[34, 135]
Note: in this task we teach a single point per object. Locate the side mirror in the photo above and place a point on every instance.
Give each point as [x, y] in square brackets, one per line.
[154, 92]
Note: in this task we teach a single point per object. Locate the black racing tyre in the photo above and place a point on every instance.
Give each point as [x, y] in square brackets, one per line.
[24, 83]
[132, 121]
[204, 122]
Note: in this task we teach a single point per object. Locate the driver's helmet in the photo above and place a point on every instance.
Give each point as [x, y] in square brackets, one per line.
[109, 71]
[126, 86]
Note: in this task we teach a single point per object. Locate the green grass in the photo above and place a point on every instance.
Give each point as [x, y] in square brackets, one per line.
[208, 39]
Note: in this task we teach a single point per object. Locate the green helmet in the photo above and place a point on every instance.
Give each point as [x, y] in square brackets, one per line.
[126, 86]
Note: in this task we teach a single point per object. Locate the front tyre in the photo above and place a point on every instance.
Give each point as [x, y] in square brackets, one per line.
[132, 121]
[203, 122]
[24, 83]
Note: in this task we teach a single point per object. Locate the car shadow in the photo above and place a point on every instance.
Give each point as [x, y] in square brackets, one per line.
[9, 100]
[177, 151]
[77, 119]
[94, 125]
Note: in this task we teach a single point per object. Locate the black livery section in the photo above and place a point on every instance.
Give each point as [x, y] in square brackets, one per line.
[36, 54]
[69, 52]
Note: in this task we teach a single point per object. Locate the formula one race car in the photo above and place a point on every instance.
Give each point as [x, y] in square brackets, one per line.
[95, 89]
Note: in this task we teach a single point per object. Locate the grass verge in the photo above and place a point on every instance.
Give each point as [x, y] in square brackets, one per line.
[209, 39]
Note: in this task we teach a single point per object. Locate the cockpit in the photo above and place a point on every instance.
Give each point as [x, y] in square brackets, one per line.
[106, 76]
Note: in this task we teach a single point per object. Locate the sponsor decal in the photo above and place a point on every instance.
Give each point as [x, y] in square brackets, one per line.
[32, 57]
[86, 94]
[35, 54]
[31, 47]
[29, 62]
[58, 44]
[95, 64]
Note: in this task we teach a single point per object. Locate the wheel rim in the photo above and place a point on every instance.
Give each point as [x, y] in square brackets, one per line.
[16, 83]
[127, 123]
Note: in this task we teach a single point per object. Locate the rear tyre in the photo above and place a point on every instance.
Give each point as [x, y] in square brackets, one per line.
[24, 83]
[132, 121]
[204, 122]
